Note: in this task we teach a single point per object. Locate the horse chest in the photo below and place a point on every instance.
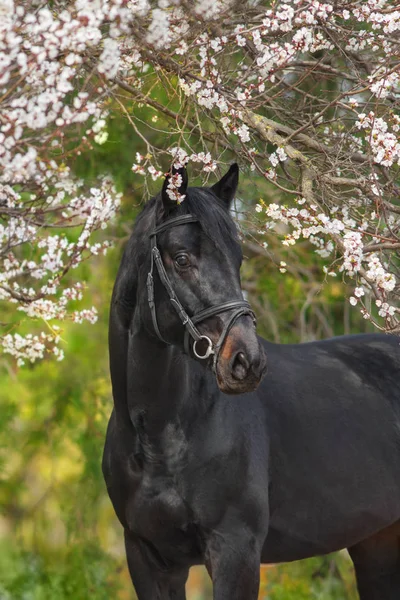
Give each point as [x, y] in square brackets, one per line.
[156, 503]
[155, 506]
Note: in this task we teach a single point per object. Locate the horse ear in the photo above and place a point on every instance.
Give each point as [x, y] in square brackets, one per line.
[227, 186]
[175, 186]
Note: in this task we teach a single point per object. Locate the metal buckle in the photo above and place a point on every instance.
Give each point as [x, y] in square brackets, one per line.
[209, 350]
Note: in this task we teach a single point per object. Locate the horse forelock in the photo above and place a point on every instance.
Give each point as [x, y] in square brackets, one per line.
[213, 216]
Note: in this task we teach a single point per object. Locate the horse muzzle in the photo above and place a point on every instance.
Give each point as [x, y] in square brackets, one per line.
[241, 362]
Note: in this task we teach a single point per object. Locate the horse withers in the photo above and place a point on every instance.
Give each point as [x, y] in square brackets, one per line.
[227, 450]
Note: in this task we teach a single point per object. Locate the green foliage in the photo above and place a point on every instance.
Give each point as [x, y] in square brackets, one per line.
[114, 157]
[321, 578]
[81, 571]
[52, 494]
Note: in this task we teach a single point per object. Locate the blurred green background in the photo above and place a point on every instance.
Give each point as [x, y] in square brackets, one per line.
[59, 537]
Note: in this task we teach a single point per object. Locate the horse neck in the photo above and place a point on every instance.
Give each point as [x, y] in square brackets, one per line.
[163, 383]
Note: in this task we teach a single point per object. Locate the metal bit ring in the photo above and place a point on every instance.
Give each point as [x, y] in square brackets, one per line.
[209, 350]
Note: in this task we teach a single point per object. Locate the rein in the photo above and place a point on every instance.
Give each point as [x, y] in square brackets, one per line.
[241, 306]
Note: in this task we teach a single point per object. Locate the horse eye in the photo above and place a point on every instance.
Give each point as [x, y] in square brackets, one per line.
[182, 260]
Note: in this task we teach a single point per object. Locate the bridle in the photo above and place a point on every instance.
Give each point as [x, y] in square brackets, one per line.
[240, 307]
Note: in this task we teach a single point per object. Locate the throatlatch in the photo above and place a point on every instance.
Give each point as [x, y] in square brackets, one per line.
[241, 306]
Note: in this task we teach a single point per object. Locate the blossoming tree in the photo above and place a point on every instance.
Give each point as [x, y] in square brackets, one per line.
[303, 94]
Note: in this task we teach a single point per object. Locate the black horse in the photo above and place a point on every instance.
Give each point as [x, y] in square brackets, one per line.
[205, 466]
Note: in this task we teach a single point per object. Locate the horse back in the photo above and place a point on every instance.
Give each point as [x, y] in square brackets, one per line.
[332, 410]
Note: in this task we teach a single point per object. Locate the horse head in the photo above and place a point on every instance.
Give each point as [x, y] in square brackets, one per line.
[192, 299]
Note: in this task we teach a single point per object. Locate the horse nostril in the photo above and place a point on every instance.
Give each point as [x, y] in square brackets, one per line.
[240, 366]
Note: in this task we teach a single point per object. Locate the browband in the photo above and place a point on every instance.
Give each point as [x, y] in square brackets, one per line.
[182, 220]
